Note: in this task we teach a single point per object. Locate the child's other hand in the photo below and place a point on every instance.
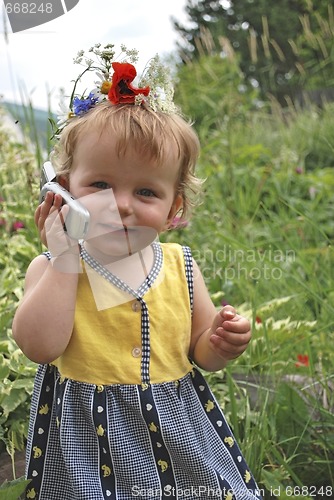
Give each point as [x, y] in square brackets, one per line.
[50, 204]
[230, 333]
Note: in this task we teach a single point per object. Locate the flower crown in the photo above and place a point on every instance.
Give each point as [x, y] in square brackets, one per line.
[115, 83]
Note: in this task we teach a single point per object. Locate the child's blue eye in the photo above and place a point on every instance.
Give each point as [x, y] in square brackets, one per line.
[146, 192]
[101, 185]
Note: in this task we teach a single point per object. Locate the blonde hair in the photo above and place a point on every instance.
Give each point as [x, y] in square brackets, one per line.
[150, 132]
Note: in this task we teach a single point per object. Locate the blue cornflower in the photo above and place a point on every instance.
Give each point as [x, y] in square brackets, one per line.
[81, 106]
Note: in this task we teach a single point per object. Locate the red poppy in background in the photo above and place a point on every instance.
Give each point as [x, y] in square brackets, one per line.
[303, 360]
[121, 91]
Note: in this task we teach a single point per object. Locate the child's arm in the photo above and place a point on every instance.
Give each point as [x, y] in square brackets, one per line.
[43, 322]
[217, 337]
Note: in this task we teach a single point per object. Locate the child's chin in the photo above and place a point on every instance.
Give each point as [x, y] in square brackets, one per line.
[112, 248]
[121, 244]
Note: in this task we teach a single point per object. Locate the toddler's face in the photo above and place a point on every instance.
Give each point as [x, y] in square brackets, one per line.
[131, 200]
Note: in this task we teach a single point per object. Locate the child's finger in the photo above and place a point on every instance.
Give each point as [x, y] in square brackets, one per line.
[57, 240]
[50, 204]
[238, 324]
[228, 312]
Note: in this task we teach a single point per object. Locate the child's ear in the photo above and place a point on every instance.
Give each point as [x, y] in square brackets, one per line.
[175, 208]
[63, 180]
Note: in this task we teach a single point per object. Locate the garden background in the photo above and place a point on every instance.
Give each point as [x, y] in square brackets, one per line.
[262, 235]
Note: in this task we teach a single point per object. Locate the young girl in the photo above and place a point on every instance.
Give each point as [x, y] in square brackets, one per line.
[118, 322]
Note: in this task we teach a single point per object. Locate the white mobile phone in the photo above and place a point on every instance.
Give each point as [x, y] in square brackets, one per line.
[77, 219]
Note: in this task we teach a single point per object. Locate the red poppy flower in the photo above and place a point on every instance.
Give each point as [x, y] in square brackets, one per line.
[303, 360]
[121, 91]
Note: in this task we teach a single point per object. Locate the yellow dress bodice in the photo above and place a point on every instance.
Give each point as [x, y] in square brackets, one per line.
[106, 344]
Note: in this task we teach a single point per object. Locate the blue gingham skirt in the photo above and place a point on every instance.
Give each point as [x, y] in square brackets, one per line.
[158, 441]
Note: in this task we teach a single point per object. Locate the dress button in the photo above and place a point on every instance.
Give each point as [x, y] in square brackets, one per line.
[136, 352]
[136, 306]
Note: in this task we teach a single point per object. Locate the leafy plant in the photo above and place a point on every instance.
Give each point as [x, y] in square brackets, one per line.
[11, 490]
[18, 245]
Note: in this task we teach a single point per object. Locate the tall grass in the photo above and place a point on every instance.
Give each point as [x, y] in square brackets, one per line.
[263, 238]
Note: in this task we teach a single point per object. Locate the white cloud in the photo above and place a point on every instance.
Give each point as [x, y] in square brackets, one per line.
[42, 58]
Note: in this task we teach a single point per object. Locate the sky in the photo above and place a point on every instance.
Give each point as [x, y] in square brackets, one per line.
[39, 60]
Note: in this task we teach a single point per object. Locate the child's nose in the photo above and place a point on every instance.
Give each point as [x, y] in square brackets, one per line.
[124, 204]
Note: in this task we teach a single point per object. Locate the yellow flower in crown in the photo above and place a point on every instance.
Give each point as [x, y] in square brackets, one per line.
[105, 87]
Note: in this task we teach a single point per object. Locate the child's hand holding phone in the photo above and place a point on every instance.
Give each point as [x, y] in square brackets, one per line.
[77, 217]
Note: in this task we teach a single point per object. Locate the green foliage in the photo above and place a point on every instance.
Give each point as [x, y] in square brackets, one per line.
[286, 46]
[13, 489]
[262, 237]
[18, 245]
[225, 96]
[313, 48]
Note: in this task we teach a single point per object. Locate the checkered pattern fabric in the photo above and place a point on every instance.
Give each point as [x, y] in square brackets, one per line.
[189, 273]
